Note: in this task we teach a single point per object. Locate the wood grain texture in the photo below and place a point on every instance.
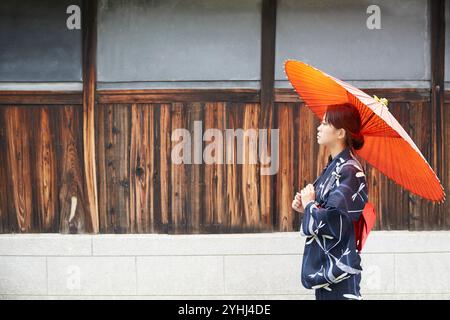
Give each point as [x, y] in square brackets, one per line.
[17, 121]
[114, 168]
[177, 95]
[141, 168]
[234, 187]
[250, 168]
[178, 181]
[42, 170]
[269, 151]
[196, 182]
[89, 46]
[43, 184]
[285, 181]
[40, 97]
[164, 166]
[45, 171]
[214, 173]
[73, 219]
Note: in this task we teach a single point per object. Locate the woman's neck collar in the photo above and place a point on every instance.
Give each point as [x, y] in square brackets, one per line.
[337, 152]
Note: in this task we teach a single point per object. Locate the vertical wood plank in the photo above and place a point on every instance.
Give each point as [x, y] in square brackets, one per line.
[153, 165]
[437, 26]
[17, 122]
[196, 182]
[102, 117]
[74, 211]
[118, 168]
[250, 168]
[115, 179]
[285, 190]
[140, 167]
[179, 188]
[210, 200]
[266, 122]
[221, 218]
[234, 170]
[46, 200]
[268, 33]
[165, 174]
[89, 42]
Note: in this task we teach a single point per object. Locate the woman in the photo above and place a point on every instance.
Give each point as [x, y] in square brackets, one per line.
[331, 262]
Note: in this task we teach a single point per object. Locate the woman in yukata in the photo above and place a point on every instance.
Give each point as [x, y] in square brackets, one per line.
[331, 262]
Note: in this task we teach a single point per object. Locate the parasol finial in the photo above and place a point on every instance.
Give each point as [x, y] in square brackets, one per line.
[383, 101]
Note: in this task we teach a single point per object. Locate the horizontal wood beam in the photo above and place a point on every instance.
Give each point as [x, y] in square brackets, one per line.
[192, 95]
[41, 97]
[392, 94]
[177, 95]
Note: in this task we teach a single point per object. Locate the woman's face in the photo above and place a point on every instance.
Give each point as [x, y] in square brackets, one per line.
[327, 134]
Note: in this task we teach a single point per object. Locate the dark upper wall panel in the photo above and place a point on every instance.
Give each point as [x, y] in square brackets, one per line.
[172, 40]
[334, 36]
[36, 44]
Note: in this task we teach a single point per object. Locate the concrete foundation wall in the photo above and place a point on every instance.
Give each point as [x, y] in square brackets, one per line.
[397, 265]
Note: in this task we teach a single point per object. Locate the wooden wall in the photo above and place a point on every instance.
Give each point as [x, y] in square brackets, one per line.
[41, 169]
[43, 185]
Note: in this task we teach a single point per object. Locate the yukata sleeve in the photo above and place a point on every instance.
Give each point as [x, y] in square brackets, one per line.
[346, 200]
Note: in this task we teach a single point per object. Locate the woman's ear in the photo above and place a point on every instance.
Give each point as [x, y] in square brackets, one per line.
[341, 133]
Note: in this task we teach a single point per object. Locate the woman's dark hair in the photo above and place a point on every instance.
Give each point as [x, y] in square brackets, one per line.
[346, 116]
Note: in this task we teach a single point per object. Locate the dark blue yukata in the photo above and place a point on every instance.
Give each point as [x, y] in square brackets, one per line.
[331, 262]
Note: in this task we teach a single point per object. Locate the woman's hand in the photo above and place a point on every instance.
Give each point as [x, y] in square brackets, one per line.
[296, 203]
[307, 194]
